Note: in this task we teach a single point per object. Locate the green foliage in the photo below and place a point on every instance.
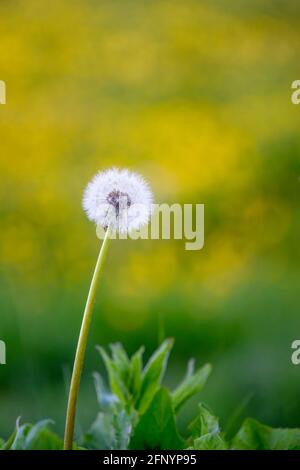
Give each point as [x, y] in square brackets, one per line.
[205, 432]
[137, 412]
[110, 431]
[112, 427]
[254, 435]
[129, 383]
[157, 427]
[153, 374]
[192, 384]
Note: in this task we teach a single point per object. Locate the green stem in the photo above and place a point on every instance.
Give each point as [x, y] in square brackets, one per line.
[81, 346]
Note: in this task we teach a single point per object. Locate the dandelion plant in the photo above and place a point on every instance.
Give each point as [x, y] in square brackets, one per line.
[118, 201]
[136, 411]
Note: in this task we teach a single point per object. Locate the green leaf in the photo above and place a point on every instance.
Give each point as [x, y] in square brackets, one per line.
[33, 437]
[192, 384]
[123, 424]
[156, 428]
[110, 431]
[101, 434]
[7, 445]
[153, 374]
[204, 423]
[256, 436]
[206, 432]
[40, 437]
[117, 385]
[105, 399]
[135, 374]
[210, 442]
[18, 441]
[120, 358]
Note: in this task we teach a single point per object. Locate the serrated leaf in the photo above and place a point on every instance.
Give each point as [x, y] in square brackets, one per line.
[40, 437]
[153, 374]
[33, 437]
[256, 436]
[6, 445]
[21, 432]
[210, 442]
[135, 374]
[192, 384]
[105, 399]
[117, 385]
[204, 423]
[101, 435]
[156, 428]
[120, 358]
[123, 424]
[206, 431]
[110, 431]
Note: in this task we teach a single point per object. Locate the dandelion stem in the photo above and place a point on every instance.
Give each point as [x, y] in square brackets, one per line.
[81, 346]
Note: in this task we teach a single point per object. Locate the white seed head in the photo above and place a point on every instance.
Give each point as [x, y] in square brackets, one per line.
[119, 199]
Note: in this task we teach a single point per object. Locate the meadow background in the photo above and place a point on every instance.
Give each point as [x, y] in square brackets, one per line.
[195, 95]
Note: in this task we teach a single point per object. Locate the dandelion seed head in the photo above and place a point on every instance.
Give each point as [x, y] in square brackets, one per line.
[118, 198]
